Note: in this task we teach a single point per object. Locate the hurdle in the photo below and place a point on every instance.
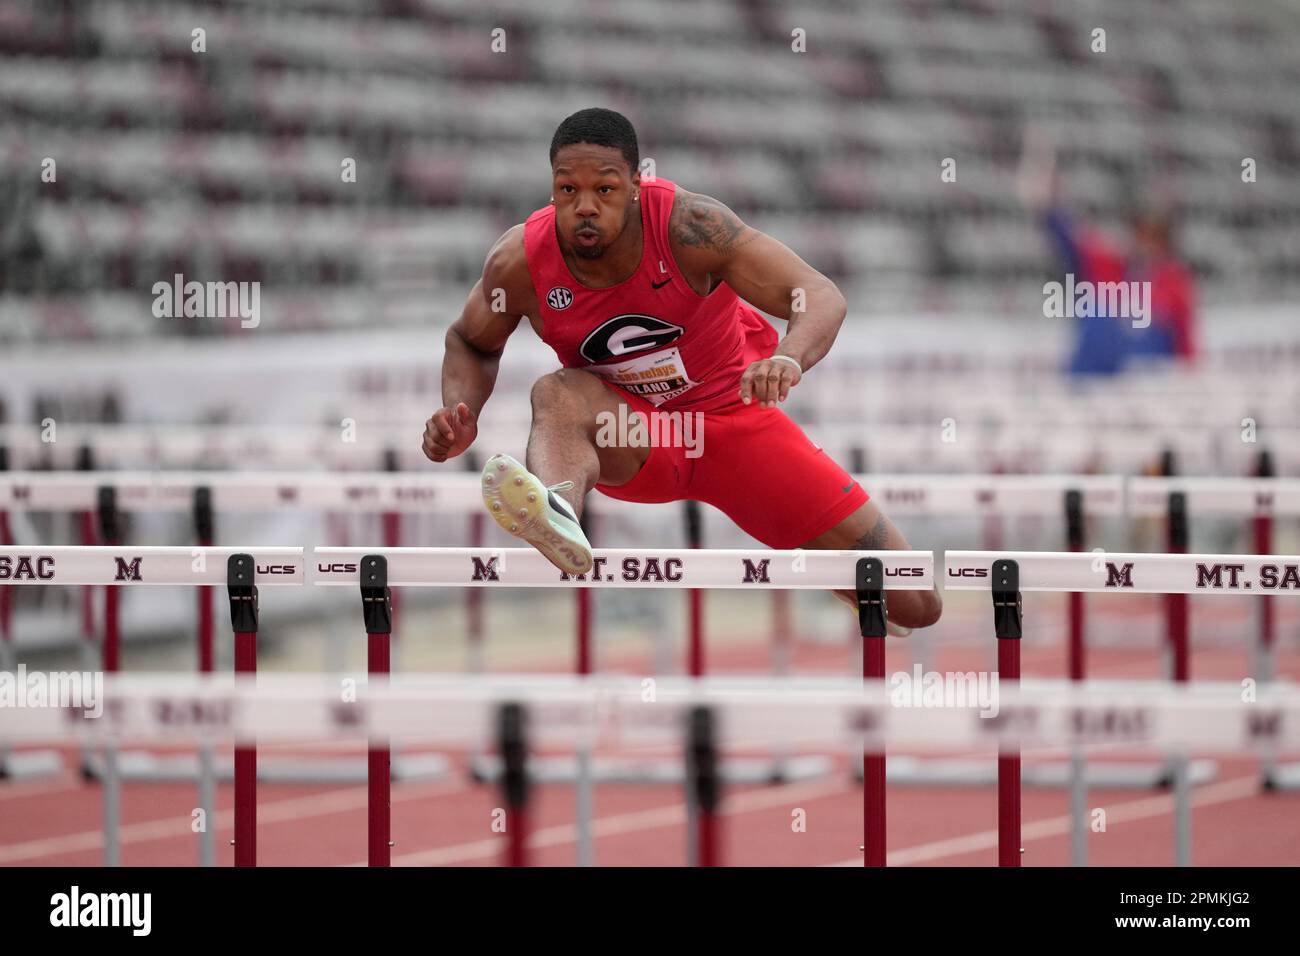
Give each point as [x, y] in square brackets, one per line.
[1070, 499]
[389, 494]
[697, 716]
[1259, 500]
[32, 763]
[241, 570]
[196, 447]
[106, 495]
[1007, 575]
[1018, 448]
[648, 568]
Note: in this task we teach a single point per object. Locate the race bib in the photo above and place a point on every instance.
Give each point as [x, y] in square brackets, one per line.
[657, 377]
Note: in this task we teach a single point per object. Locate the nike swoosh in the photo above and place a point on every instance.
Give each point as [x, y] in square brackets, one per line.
[659, 285]
[847, 488]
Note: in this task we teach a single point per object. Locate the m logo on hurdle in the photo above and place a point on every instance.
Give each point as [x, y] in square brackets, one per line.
[1118, 576]
[666, 291]
[485, 570]
[128, 569]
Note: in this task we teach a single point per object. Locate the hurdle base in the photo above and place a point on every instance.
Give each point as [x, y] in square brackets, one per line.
[140, 765]
[31, 764]
[936, 772]
[965, 772]
[629, 770]
[1117, 776]
[1286, 777]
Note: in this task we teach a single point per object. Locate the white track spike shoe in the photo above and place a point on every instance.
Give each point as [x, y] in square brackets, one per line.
[528, 509]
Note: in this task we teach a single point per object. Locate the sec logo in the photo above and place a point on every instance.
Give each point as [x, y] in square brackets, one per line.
[559, 298]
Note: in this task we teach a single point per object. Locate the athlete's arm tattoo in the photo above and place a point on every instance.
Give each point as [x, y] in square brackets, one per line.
[705, 223]
[877, 539]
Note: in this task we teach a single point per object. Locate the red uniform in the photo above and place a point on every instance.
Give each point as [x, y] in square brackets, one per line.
[663, 347]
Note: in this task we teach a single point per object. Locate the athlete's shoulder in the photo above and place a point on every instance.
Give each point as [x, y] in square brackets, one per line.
[507, 253]
[704, 225]
[506, 267]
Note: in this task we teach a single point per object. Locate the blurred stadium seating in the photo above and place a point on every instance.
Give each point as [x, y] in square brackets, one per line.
[227, 163]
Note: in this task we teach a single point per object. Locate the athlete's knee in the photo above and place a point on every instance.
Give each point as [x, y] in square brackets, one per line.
[566, 391]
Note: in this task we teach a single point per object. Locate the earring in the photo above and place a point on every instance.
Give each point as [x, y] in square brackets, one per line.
[636, 196]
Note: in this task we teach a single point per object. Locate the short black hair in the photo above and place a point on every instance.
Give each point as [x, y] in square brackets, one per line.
[599, 127]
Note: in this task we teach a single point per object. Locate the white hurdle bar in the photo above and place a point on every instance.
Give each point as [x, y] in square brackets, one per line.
[580, 713]
[1070, 497]
[756, 569]
[240, 570]
[1006, 575]
[1011, 445]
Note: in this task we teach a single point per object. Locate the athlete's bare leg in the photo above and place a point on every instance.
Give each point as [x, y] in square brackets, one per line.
[562, 446]
[867, 529]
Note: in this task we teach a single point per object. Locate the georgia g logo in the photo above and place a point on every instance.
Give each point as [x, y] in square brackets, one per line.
[559, 298]
[626, 335]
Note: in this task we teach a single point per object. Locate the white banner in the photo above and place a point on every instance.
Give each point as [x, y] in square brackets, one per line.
[993, 494]
[455, 493]
[614, 567]
[1128, 573]
[128, 565]
[1242, 497]
[462, 711]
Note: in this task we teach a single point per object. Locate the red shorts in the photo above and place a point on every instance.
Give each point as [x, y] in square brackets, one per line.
[754, 464]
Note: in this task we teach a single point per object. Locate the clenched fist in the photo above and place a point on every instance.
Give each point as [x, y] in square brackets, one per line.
[449, 432]
[769, 381]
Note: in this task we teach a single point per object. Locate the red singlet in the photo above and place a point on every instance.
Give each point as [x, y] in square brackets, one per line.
[664, 348]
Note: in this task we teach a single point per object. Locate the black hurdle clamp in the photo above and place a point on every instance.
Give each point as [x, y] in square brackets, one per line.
[869, 582]
[1179, 533]
[702, 758]
[694, 524]
[376, 595]
[512, 739]
[240, 575]
[204, 523]
[1263, 464]
[1007, 610]
[1168, 463]
[1074, 533]
[857, 460]
[110, 519]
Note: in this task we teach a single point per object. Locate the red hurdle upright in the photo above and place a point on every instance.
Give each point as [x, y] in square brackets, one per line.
[204, 533]
[705, 787]
[1262, 534]
[377, 610]
[1074, 539]
[1008, 626]
[695, 596]
[240, 574]
[1176, 604]
[513, 743]
[869, 584]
